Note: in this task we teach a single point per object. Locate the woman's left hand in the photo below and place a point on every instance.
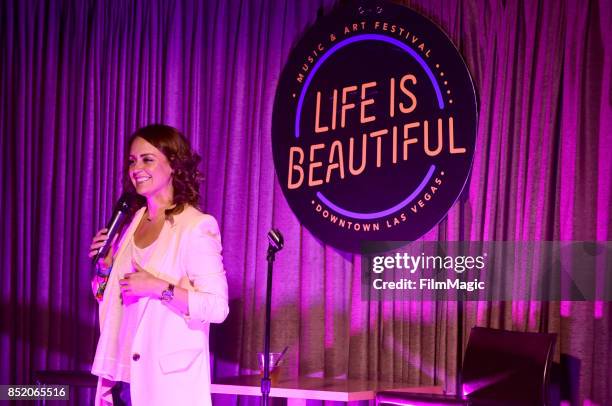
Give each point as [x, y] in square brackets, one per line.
[140, 283]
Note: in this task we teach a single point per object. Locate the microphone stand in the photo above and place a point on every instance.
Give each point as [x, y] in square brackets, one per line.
[276, 242]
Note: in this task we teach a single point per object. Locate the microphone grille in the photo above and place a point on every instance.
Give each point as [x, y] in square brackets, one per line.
[275, 238]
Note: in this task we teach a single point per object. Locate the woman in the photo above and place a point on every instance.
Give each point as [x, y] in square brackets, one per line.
[166, 282]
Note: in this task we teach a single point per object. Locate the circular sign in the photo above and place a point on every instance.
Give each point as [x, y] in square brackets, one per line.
[374, 126]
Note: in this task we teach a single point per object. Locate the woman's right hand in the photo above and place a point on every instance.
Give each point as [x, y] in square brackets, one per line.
[96, 243]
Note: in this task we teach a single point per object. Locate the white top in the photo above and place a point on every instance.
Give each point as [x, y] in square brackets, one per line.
[129, 321]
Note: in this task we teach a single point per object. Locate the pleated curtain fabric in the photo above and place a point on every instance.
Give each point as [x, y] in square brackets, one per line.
[78, 77]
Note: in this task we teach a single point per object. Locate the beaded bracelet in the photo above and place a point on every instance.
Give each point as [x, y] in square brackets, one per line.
[102, 285]
[101, 288]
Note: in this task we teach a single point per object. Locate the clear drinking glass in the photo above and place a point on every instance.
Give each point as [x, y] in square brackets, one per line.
[274, 365]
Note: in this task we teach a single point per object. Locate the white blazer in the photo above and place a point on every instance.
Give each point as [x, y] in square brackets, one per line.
[170, 356]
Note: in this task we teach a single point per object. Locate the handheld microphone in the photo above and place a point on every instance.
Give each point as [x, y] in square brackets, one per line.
[120, 214]
[275, 240]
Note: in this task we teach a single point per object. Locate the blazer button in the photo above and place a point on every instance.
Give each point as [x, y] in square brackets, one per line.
[136, 356]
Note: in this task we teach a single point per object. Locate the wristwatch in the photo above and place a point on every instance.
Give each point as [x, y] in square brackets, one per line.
[168, 294]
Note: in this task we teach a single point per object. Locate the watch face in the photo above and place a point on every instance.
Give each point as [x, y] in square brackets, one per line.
[168, 294]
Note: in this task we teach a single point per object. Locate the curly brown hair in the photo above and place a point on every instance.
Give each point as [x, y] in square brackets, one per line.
[183, 160]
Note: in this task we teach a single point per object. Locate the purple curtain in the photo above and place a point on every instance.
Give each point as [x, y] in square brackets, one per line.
[77, 77]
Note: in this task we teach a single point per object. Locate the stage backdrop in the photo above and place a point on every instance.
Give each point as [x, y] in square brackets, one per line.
[77, 77]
